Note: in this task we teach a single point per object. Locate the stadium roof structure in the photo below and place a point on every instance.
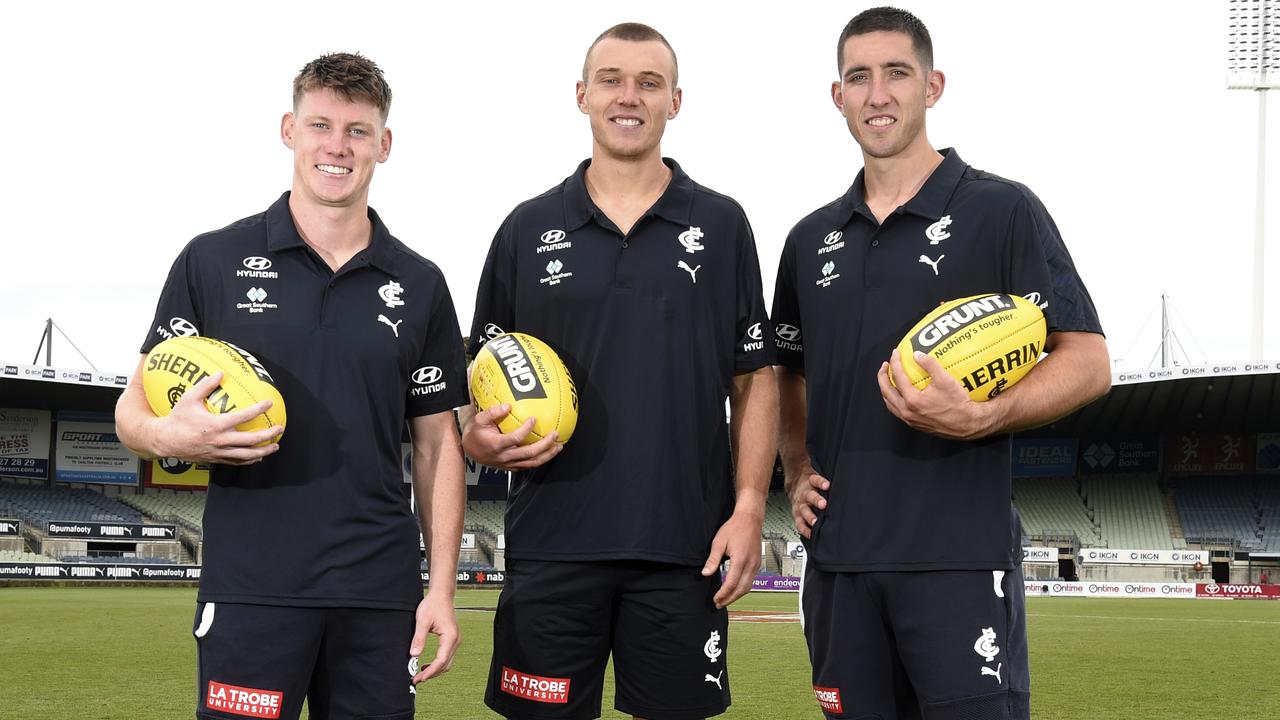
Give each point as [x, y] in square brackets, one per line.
[1224, 398]
[35, 387]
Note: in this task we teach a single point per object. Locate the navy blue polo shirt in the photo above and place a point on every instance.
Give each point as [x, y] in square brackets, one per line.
[848, 290]
[653, 325]
[325, 521]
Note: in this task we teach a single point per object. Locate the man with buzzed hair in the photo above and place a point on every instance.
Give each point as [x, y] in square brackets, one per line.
[310, 589]
[912, 597]
[648, 287]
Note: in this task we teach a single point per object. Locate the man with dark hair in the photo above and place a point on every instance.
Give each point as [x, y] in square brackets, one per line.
[310, 588]
[912, 598]
[648, 287]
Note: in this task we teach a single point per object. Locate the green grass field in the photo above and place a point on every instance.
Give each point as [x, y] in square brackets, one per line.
[127, 653]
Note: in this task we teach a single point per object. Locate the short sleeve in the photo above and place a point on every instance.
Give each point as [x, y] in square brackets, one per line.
[439, 382]
[754, 347]
[495, 297]
[789, 337]
[178, 310]
[1041, 270]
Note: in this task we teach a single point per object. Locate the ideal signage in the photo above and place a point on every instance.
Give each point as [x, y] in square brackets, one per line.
[1044, 457]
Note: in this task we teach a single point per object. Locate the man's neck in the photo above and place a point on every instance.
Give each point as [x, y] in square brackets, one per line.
[891, 182]
[623, 188]
[614, 177]
[335, 233]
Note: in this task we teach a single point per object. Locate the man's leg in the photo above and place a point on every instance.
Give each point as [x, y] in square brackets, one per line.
[551, 640]
[670, 644]
[254, 660]
[963, 638]
[363, 670]
[857, 672]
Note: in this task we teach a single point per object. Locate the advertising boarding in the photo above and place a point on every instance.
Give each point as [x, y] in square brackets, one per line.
[88, 451]
[24, 443]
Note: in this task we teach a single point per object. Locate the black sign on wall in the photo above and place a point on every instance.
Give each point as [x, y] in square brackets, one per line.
[124, 532]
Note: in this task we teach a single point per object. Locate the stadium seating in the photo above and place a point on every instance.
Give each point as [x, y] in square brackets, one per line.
[1222, 507]
[1130, 512]
[162, 504]
[1269, 513]
[486, 515]
[777, 518]
[39, 504]
[12, 556]
[1051, 506]
[113, 560]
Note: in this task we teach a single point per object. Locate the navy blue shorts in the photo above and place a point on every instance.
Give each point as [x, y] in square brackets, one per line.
[558, 622]
[262, 661]
[933, 645]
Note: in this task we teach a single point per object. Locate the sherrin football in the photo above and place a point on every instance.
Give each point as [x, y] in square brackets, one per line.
[987, 342]
[176, 364]
[525, 373]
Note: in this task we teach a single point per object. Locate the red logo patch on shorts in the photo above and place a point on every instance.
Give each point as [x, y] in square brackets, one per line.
[535, 688]
[249, 702]
[829, 699]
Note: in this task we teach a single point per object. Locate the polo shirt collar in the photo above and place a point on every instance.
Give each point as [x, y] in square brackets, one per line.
[282, 234]
[930, 201]
[675, 204]
[932, 198]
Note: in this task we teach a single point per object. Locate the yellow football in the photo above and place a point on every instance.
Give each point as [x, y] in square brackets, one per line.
[987, 342]
[525, 373]
[178, 363]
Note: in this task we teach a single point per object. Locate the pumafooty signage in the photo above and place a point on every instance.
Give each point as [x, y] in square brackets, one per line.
[124, 532]
[97, 571]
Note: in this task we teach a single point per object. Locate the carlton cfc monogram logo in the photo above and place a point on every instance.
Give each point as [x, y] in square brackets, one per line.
[937, 232]
[390, 294]
[689, 239]
[711, 648]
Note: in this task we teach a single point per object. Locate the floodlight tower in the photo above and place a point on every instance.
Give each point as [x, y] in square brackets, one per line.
[1253, 63]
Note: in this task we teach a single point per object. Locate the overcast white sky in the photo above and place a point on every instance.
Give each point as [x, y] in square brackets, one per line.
[130, 127]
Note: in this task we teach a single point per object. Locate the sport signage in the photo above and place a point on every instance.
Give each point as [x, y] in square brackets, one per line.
[96, 571]
[474, 577]
[1195, 454]
[90, 452]
[1144, 557]
[1044, 457]
[1040, 555]
[63, 375]
[175, 473]
[24, 443]
[775, 583]
[1231, 590]
[1176, 373]
[1268, 460]
[124, 532]
[10, 527]
[1065, 588]
[1113, 456]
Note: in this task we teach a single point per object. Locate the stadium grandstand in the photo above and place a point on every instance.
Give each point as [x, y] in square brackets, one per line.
[1172, 477]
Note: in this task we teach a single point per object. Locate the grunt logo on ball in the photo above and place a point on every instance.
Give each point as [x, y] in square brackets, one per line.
[253, 363]
[515, 361]
[977, 314]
